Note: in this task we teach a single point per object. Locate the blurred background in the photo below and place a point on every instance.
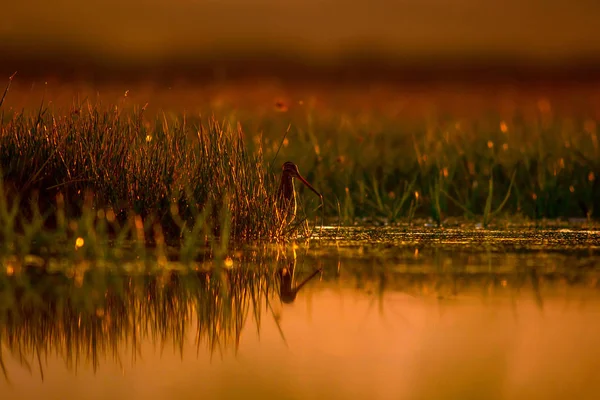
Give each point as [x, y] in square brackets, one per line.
[301, 39]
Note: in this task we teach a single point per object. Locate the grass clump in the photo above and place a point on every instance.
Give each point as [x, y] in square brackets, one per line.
[172, 173]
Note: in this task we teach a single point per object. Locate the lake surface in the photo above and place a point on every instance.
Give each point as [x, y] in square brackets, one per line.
[383, 313]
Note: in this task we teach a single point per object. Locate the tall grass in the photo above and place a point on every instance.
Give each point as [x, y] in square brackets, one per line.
[172, 173]
[532, 162]
[184, 175]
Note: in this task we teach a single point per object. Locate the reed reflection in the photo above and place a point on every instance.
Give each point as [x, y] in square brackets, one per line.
[107, 316]
[101, 316]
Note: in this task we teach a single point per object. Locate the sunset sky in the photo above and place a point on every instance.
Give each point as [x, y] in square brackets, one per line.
[531, 30]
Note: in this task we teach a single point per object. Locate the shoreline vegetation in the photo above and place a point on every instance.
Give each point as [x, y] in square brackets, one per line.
[210, 177]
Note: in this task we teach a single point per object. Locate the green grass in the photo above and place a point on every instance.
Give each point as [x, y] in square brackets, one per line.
[211, 180]
[177, 176]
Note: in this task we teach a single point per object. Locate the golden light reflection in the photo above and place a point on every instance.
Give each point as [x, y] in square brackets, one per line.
[110, 215]
[79, 242]
[168, 327]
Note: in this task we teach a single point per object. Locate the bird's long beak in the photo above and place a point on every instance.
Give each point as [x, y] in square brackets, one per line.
[309, 186]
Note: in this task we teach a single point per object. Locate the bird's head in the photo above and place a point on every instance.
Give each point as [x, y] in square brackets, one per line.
[291, 169]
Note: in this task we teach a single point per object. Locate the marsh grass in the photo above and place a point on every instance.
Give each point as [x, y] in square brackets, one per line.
[177, 177]
[533, 160]
[166, 179]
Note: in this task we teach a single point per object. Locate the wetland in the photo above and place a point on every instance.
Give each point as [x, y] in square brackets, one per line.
[455, 255]
[354, 312]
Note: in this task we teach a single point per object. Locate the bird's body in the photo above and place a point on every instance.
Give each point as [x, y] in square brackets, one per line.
[286, 195]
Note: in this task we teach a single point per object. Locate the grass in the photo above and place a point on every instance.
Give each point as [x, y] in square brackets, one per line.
[176, 175]
[122, 225]
[183, 177]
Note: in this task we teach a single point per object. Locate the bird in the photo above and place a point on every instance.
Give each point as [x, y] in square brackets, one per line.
[286, 194]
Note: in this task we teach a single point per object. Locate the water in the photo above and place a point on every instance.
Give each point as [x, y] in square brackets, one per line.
[377, 313]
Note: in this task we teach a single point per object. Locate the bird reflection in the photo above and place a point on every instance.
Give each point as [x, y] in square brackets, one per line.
[287, 290]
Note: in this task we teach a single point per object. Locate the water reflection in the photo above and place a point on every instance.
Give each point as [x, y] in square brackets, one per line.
[288, 288]
[104, 318]
[109, 315]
